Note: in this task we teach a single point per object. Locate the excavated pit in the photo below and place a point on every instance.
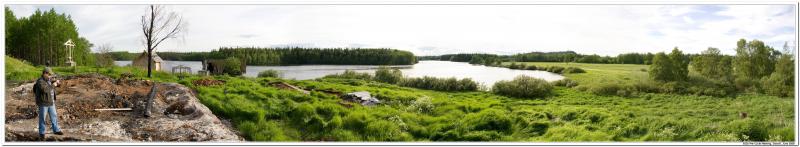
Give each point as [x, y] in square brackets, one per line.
[176, 115]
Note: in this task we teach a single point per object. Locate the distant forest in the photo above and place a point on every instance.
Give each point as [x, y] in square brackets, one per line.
[292, 56]
[562, 56]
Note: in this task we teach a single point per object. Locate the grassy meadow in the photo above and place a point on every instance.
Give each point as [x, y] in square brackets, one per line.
[599, 73]
[266, 113]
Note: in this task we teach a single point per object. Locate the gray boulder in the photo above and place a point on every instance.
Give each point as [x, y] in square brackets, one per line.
[361, 97]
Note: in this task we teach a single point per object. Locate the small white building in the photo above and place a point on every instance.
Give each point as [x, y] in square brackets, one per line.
[141, 61]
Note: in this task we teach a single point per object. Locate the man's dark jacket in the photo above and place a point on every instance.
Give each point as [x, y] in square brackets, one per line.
[42, 90]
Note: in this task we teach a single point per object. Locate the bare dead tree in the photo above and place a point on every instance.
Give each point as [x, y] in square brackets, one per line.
[103, 57]
[159, 25]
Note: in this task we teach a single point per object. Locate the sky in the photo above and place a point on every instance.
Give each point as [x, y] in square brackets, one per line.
[445, 29]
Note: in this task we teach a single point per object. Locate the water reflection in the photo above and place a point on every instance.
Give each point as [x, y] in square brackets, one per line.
[482, 74]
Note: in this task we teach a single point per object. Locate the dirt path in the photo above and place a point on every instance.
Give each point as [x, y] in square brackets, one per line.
[177, 115]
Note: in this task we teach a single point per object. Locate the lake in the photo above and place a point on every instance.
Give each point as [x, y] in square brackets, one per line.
[482, 74]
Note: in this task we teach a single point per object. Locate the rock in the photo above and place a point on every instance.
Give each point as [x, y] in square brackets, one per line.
[361, 97]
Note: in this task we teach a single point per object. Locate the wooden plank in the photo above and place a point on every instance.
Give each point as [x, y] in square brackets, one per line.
[114, 109]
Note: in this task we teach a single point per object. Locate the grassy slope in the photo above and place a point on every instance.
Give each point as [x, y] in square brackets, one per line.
[263, 112]
[18, 70]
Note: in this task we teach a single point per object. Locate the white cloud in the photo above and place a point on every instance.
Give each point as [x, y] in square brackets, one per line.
[444, 29]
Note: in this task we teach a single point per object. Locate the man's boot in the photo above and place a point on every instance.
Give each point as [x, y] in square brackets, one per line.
[41, 137]
[59, 133]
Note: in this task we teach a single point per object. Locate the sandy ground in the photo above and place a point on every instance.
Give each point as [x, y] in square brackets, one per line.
[177, 115]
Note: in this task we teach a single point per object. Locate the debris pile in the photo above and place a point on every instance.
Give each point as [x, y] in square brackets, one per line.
[98, 108]
[361, 97]
[207, 82]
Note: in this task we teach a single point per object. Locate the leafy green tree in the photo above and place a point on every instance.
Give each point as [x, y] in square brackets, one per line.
[680, 64]
[713, 65]
[11, 23]
[103, 56]
[781, 81]
[232, 66]
[753, 59]
[662, 68]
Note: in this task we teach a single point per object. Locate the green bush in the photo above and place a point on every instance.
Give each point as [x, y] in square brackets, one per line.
[514, 65]
[350, 74]
[531, 67]
[232, 66]
[606, 89]
[778, 85]
[440, 84]
[269, 73]
[748, 129]
[555, 69]
[573, 70]
[422, 105]
[565, 83]
[523, 87]
[387, 75]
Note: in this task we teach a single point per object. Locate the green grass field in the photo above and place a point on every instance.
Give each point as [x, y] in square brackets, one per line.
[265, 113]
[599, 73]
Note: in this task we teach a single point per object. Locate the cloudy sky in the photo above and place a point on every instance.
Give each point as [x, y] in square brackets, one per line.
[444, 29]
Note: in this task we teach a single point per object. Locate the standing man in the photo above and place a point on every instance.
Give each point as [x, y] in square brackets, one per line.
[45, 92]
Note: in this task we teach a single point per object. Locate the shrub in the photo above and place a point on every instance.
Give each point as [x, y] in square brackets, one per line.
[232, 66]
[422, 105]
[350, 74]
[778, 85]
[748, 129]
[523, 87]
[531, 67]
[555, 69]
[514, 65]
[606, 89]
[269, 73]
[565, 83]
[673, 87]
[386, 75]
[573, 70]
[440, 84]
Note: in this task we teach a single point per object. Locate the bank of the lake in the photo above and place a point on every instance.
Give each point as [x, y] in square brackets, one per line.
[444, 69]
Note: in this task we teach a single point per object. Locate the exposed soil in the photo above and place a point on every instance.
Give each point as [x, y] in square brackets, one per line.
[176, 115]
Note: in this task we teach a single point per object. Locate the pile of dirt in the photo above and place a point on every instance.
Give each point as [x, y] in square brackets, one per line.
[176, 113]
[207, 82]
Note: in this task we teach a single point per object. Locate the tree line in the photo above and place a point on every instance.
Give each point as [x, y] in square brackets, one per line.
[39, 39]
[293, 56]
[562, 56]
[756, 67]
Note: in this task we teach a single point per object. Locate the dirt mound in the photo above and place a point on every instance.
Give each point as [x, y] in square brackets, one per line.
[176, 114]
[207, 82]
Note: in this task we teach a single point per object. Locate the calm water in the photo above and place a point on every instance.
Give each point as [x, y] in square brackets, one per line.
[479, 73]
